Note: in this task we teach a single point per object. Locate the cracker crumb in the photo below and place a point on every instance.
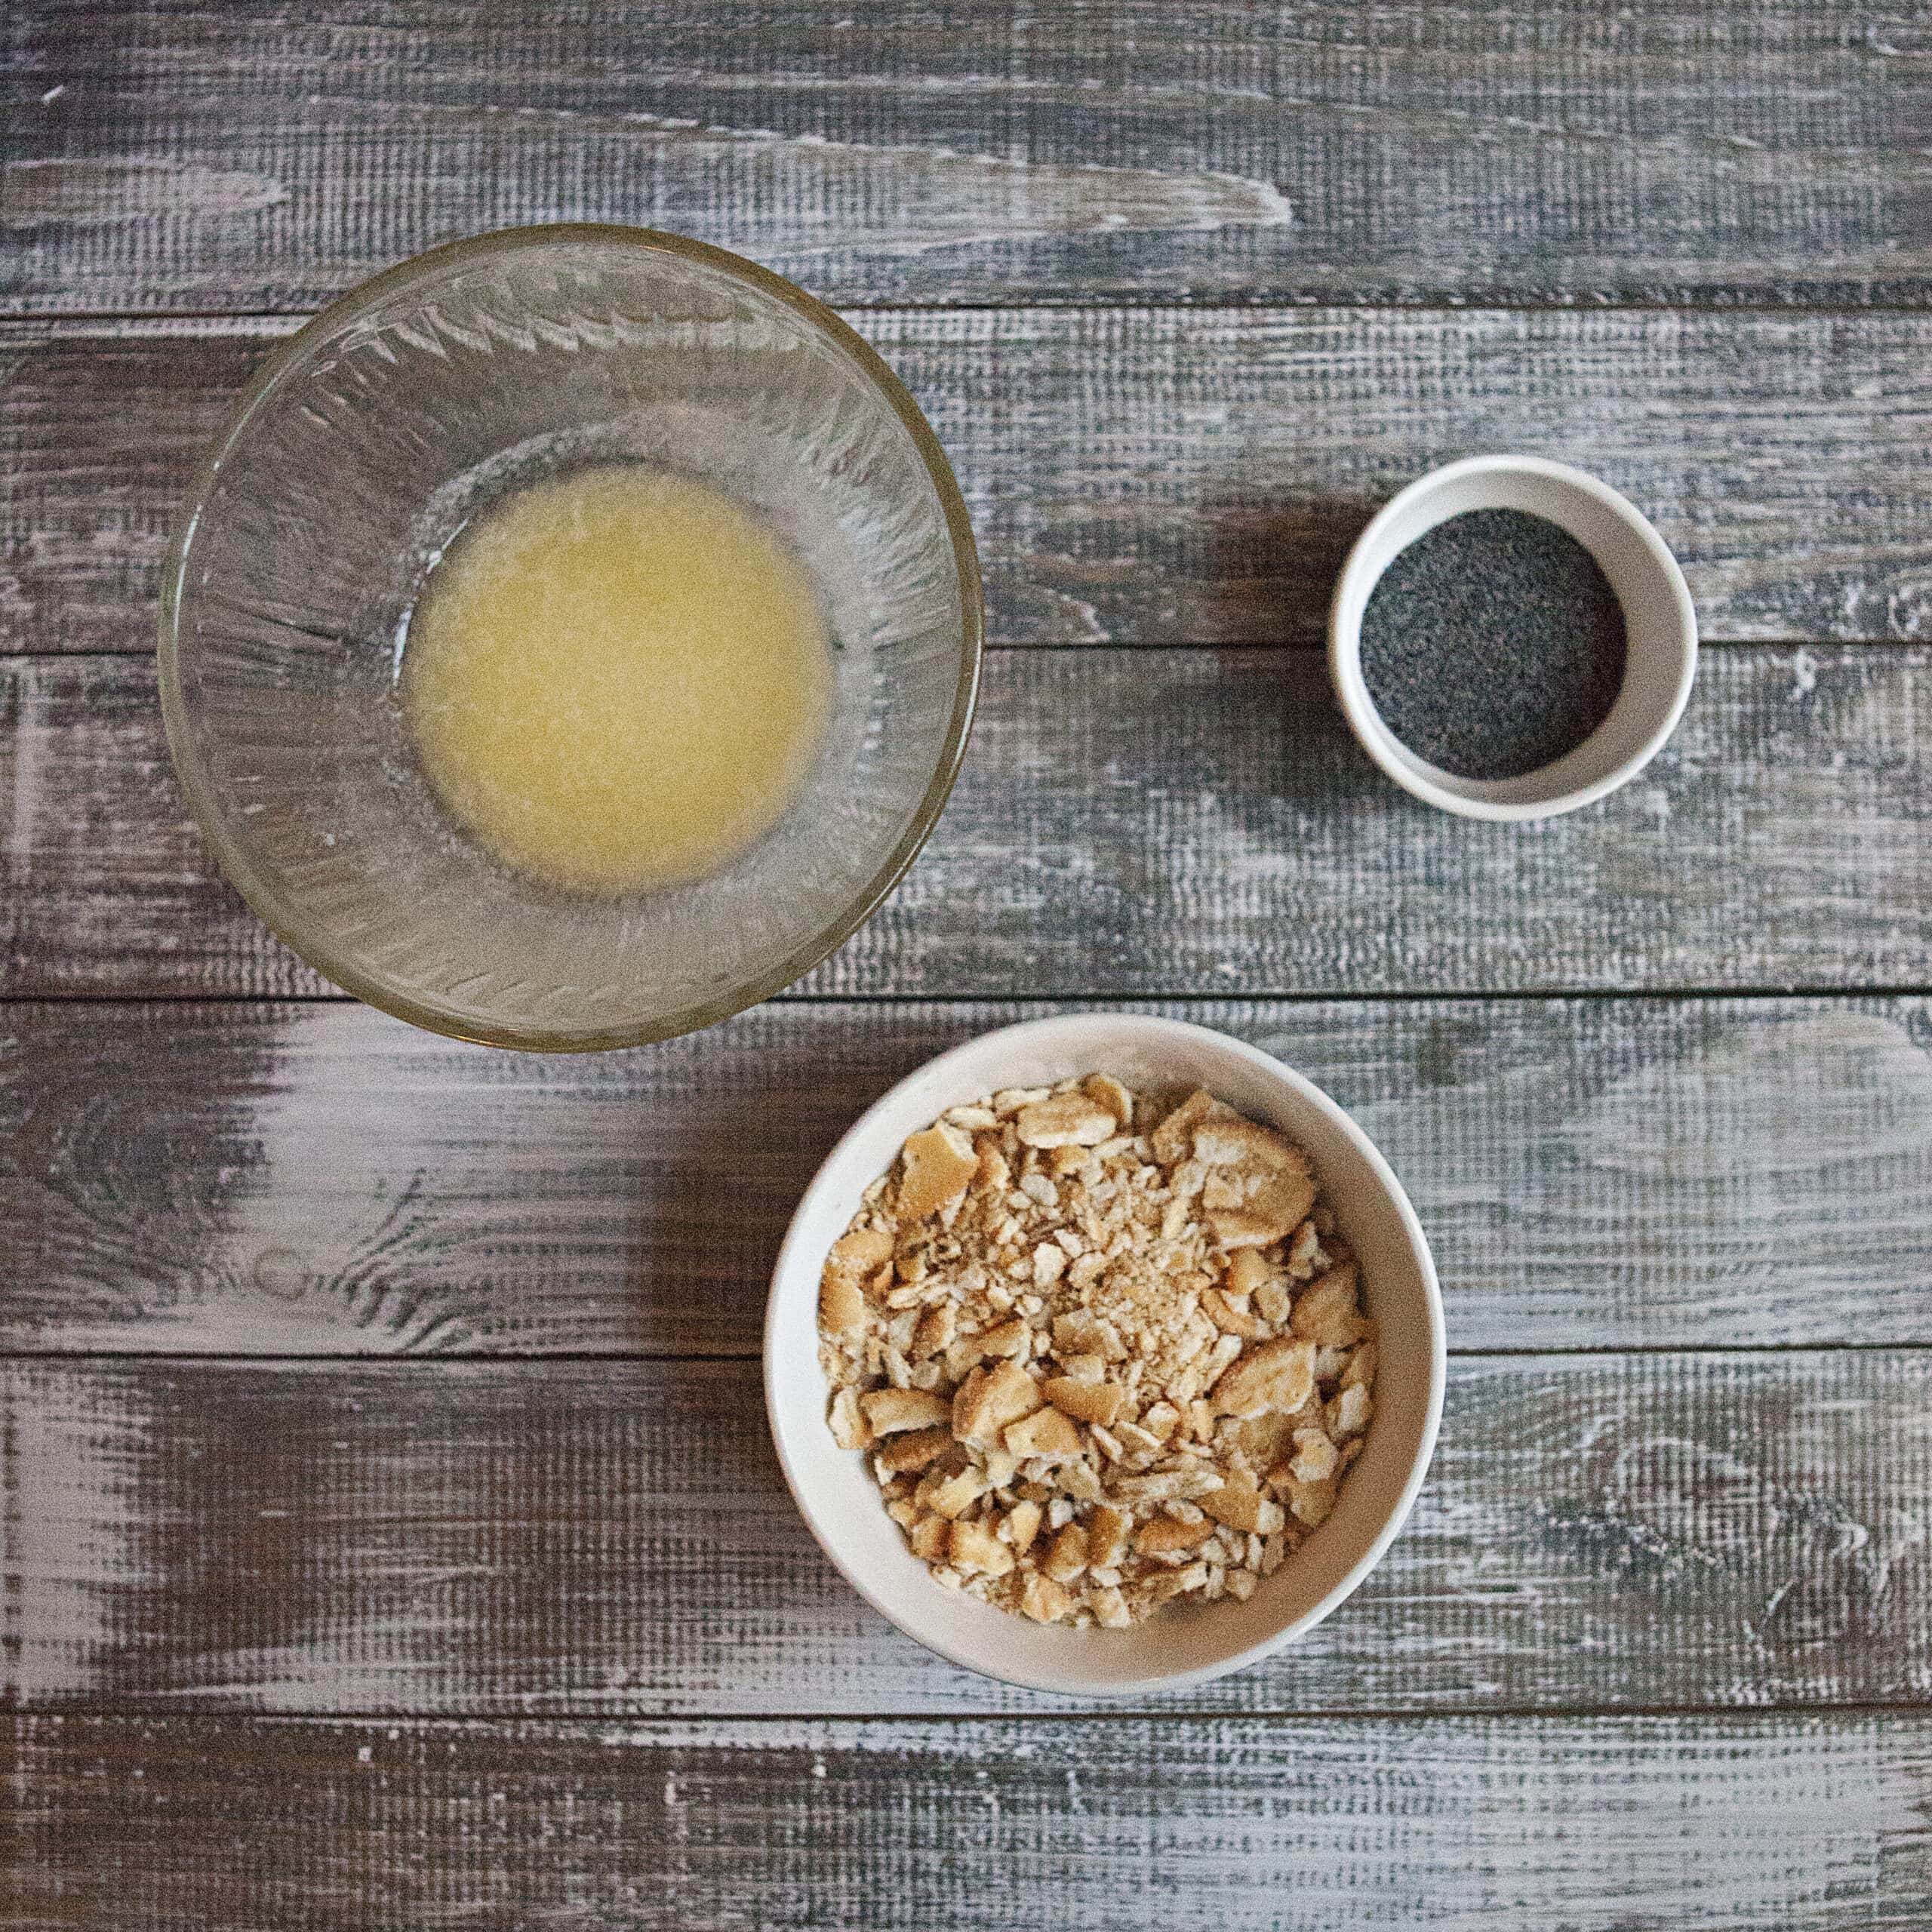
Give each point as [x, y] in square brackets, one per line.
[1105, 1350]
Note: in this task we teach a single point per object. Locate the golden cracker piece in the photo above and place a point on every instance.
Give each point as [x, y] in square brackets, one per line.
[972, 1547]
[1045, 1600]
[958, 1494]
[848, 1422]
[991, 1174]
[1230, 1319]
[1067, 1557]
[1247, 1272]
[940, 1165]
[1308, 1502]
[914, 1450]
[1228, 1140]
[1325, 1311]
[889, 1411]
[1238, 1503]
[1347, 1414]
[1162, 1536]
[1023, 1525]
[935, 1331]
[842, 1304]
[855, 1258]
[1085, 1401]
[1065, 1120]
[1173, 1141]
[988, 1399]
[1107, 1530]
[1278, 1374]
[1046, 1434]
[1104, 1088]
[1008, 1338]
[861, 1254]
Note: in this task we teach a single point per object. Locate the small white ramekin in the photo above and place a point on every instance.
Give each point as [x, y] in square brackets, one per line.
[1661, 629]
[835, 1491]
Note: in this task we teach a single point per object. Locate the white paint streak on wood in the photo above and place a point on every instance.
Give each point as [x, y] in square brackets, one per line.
[72, 1532]
[321, 1238]
[1215, 830]
[586, 1537]
[1730, 1823]
[910, 200]
[1532, 152]
[319, 1179]
[110, 190]
[1842, 1089]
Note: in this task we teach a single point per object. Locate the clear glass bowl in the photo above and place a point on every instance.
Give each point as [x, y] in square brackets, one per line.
[359, 451]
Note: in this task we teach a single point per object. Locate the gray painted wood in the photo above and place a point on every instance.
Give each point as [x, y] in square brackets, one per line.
[317, 1179]
[607, 1538]
[1192, 821]
[594, 1537]
[1760, 148]
[1815, 1825]
[1164, 476]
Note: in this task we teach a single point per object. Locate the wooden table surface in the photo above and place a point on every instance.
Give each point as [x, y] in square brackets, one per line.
[389, 1535]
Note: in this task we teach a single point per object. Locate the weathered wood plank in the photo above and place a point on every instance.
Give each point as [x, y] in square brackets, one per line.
[315, 1179]
[164, 158]
[100, 434]
[1461, 1824]
[596, 1537]
[1191, 822]
[1163, 476]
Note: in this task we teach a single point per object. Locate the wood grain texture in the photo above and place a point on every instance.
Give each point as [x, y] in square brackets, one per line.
[1189, 822]
[1814, 1825]
[317, 1179]
[595, 1537]
[540, 1523]
[1163, 476]
[180, 157]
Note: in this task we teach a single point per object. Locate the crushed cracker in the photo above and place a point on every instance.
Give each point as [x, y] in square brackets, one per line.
[1106, 1352]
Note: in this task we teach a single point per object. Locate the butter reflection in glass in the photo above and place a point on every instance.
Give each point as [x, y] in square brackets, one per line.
[618, 679]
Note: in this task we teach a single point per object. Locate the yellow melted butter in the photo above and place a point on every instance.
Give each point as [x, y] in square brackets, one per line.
[618, 679]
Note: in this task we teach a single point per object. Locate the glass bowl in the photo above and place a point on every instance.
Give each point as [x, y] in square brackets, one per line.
[367, 443]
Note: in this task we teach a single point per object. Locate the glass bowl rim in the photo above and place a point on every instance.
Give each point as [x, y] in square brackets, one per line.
[286, 358]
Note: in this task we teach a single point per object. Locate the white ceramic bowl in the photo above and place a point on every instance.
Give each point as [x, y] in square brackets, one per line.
[835, 1489]
[1661, 628]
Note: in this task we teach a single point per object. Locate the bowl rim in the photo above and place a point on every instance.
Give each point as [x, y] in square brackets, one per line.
[1150, 1026]
[1484, 800]
[287, 356]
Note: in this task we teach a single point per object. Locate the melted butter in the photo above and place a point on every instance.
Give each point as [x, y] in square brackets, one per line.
[618, 679]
